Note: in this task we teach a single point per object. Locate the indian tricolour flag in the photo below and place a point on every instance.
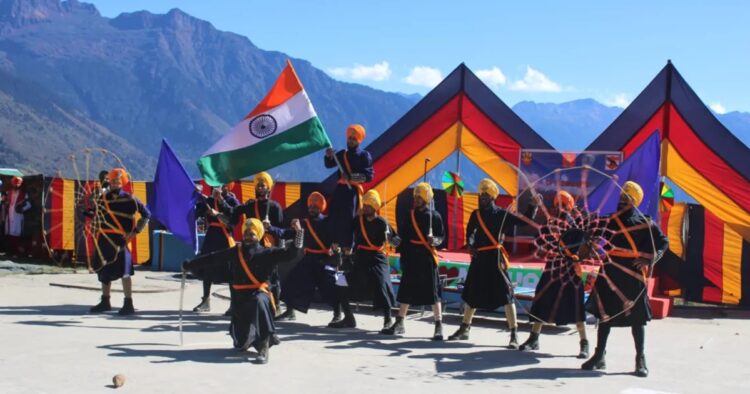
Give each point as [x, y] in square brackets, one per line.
[283, 127]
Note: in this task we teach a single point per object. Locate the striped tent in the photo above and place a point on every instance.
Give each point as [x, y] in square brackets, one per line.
[66, 230]
[719, 260]
[461, 113]
[702, 158]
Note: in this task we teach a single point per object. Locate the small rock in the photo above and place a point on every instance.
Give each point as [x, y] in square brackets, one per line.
[118, 380]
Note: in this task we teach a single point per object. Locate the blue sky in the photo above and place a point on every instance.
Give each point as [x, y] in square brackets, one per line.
[545, 51]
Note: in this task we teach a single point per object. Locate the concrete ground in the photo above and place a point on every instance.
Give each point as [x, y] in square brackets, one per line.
[48, 343]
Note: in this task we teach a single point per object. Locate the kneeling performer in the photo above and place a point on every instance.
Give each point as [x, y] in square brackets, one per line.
[250, 267]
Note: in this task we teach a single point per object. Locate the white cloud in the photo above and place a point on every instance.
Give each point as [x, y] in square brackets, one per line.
[535, 81]
[424, 76]
[619, 100]
[493, 77]
[377, 72]
[718, 108]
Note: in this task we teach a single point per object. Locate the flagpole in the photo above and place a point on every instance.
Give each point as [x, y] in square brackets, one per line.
[336, 159]
[385, 208]
[268, 201]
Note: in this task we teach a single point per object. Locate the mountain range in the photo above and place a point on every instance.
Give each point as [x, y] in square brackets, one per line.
[71, 78]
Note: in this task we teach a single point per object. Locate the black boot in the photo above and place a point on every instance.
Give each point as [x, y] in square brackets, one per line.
[127, 308]
[347, 322]
[532, 343]
[204, 306]
[513, 343]
[287, 316]
[462, 333]
[275, 340]
[438, 334]
[396, 329]
[584, 352]
[387, 322]
[640, 366]
[262, 349]
[336, 318]
[102, 306]
[597, 361]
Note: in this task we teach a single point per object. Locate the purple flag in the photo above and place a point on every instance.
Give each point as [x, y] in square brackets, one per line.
[642, 167]
[175, 196]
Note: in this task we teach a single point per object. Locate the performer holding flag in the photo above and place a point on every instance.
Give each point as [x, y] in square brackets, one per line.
[355, 166]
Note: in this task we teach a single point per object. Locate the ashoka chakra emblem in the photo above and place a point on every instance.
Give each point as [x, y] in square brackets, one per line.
[262, 126]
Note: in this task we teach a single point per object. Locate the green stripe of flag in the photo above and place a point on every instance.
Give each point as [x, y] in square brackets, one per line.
[299, 141]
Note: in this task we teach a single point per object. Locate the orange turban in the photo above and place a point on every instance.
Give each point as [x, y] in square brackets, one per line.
[317, 200]
[118, 173]
[564, 200]
[16, 181]
[229, 185]
[357, 131]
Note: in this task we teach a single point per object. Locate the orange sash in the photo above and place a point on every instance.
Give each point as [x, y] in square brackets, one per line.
[370, 246]
[322, 248]
[422, 241]
[262, 286]
[357, 185]
[268, 239]
[120, 230]
[495, 245]
[222, 226]
[633, 252]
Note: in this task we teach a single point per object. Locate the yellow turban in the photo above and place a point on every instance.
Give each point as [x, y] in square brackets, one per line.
[264, 177]
[118, 173]
[372, 198]
[486, 185]
[634, 191]
[256, 226]
[424, 191]
[564, 200]
[357, 131]
[318, 200]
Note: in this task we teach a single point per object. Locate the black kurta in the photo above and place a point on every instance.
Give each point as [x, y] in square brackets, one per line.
[420, 280]
[604, 301]
[252, 306]
[218, 234]
[112, 257]
[559, 295]
[370, 277]
[257, 209]
[345, 201]
[317, 270]
[486, 285]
